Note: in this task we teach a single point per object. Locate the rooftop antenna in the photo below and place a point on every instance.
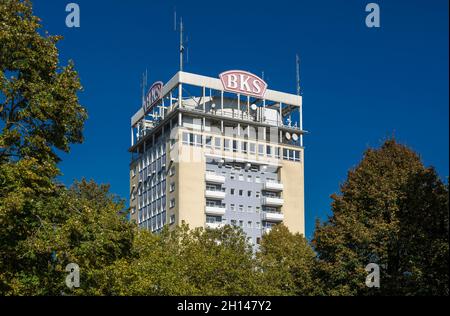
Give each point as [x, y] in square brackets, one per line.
[187, 49]
[144, 85]
[175, 19]
[297, 58]
[299, 92]
[181, 44]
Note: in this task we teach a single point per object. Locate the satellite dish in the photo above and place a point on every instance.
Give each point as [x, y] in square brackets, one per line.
[213, 105]
[295, 137]
[253, 107]
[288, 136]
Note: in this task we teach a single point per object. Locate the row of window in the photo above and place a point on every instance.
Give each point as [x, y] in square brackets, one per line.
[152, 209]
[152, 196]
[239, 223]
[244, 147]
[154, 223]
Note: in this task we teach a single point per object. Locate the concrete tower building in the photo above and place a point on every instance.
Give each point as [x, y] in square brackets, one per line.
[216, 151]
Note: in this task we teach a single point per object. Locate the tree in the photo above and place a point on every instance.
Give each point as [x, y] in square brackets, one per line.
[391, 211]
[78, 225]
[187, 262]
[39, 108]
[287, 261]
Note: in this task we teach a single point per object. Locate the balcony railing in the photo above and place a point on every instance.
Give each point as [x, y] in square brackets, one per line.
[272, 217]
[272, 201]
[215, 225]
[273, 186]
[215, 210]
[215, 194]
[215, 178]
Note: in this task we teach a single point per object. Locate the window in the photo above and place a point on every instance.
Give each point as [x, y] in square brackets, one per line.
[249, 178]
[213, 219]
[269, 150]
[258, 179]
[198, 140]
[232, 191]
[252, 148]
[249, 208]
[172, 203]
[297, 155]
[241, 223]
[232, 176]
[241, 192]
[232, 207]
[249, 224]
[244, 147]
[258, 194]
[133, 172]
[210, 203]
[241, 177]
[261, 150]
[185, 138]
[227, 144]
[249, 193]
[172, 171]
[277, 152]
[235, 145]
[172, 187]
[233, 222]
[133, 210]
[241, 208]
[218, 143]
[285, 153]
[172, 219]
[258, 240]
[208, 141]
[258, 209]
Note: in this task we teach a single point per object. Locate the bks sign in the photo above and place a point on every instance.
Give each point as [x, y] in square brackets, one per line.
[154, 94]
[243, 82]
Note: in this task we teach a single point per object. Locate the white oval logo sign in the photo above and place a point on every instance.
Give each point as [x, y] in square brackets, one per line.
[243, 82]
[154, 94]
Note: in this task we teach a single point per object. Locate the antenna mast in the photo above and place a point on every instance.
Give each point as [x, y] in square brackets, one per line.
[181, 44]
[144, 85]
[298, 74]
[300, 110]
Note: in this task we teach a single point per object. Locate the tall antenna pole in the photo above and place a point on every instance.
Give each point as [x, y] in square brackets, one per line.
[144, 85]
[300, 110]
[181, 44]
[175, 19]
[297, 58]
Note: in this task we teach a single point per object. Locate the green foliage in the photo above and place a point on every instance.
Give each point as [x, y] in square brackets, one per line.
[39, 108]
[394, 212]
[187, 262]
[41, 235]
[287, 261]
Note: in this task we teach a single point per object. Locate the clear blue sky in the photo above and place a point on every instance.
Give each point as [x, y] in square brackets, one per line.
[360, 85]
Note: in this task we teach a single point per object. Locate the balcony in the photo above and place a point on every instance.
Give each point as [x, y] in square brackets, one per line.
[215, 178]
[273, 186]
[272, 217]
[215, 194]
[215, 225]
[215, 210]
[272, 201]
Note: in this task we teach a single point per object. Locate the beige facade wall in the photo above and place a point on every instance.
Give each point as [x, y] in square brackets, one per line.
[191, 187]
[292, 177]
